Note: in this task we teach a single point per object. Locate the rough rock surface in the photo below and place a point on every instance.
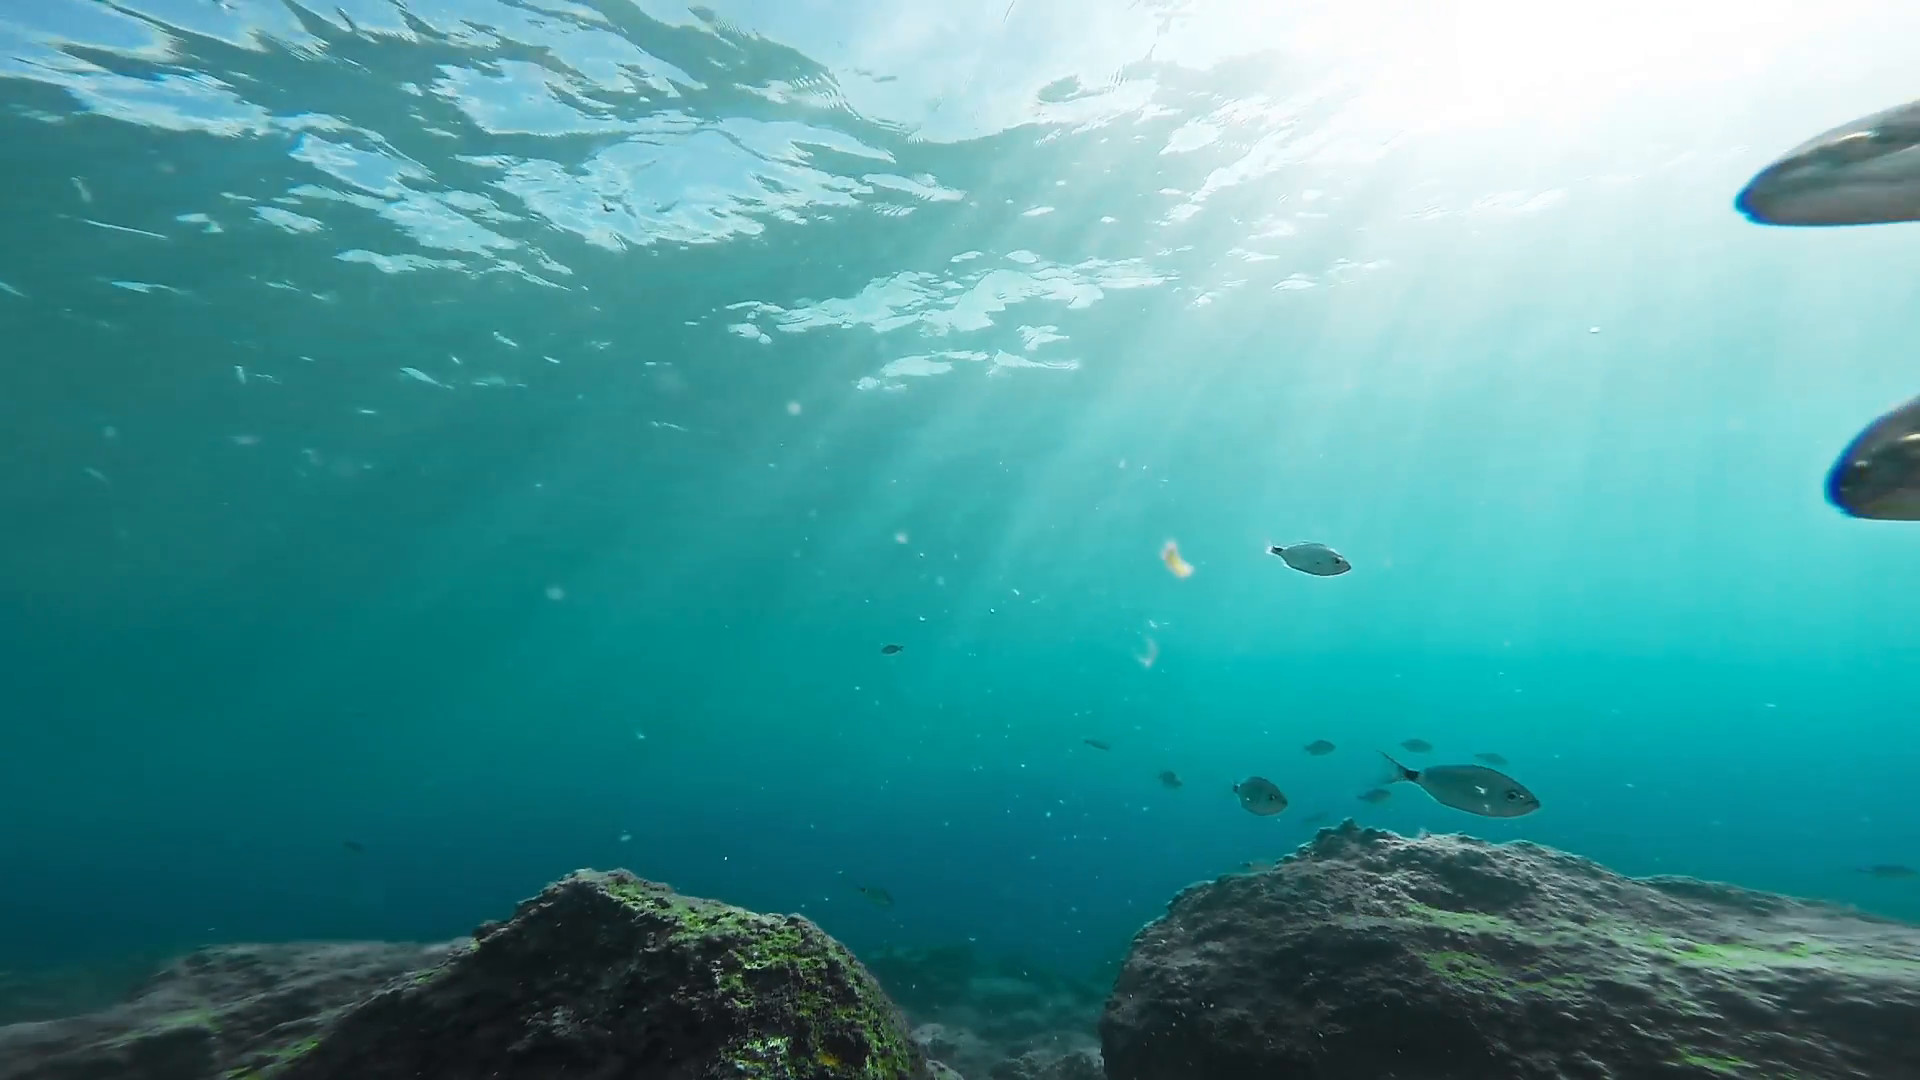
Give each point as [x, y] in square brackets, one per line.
[234, 1008]
[600, 977]
[609, 977]
[1371, 956]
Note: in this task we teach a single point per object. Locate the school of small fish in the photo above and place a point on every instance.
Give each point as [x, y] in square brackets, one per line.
[1864, 172]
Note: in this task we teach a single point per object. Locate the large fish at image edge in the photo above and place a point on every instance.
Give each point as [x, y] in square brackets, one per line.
[1878, 474]
[1866, 172]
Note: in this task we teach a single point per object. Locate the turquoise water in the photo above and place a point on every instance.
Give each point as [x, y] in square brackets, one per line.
[485, 431]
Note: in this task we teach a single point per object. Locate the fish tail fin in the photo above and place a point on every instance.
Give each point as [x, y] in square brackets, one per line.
[1396, 772]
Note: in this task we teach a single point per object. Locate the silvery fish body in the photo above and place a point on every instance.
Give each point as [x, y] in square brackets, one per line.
[1260, 796]
[1475, 789]
[1316, 559]
[1878, 474]
[1866, 172]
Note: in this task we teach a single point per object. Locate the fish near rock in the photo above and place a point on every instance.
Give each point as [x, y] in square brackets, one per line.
[1878, 474]
[1864, 172]
[1889, 870]
[1316, 559]
[1260, 796]
[1475, 789]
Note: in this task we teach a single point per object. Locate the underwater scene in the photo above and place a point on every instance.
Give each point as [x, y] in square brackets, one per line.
[1181, 539]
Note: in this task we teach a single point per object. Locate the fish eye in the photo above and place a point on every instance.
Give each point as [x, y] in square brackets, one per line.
[1515, 795]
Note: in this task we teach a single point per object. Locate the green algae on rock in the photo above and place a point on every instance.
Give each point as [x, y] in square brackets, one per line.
[1449, 958]
[604, 974]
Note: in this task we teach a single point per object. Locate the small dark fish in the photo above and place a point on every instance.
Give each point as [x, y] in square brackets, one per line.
[1097, 744]
[1319, 748]
[1491, 759]
[1169, 778]
[1473, 788]
[1376, 796]
[1260, 796]
[880, 897]
[1878, 474]
[1889, 870]
[889, 650]
[1866, 172]
[1417, 746]
[1316, 559]
[355, 846]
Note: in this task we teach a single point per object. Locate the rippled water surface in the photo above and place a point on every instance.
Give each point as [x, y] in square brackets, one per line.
[504, 434]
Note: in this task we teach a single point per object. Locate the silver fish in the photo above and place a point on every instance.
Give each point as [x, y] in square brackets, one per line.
[1862, 173]
[1878, 474]
[1316, 559]
[1473, 788]
[1888, 870]
[1260, 796]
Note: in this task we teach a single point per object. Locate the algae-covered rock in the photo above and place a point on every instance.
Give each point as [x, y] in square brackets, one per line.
[1370, 956]
[228, 1011]
[609, 977]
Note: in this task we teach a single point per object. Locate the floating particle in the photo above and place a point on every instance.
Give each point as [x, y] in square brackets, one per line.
[555, 592]
[793, 408]
[900, 537]
[1147, 658]
[1170, 554]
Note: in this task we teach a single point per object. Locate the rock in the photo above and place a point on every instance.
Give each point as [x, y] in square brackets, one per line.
[608, 976]
[232, 1008]
[1370, 955]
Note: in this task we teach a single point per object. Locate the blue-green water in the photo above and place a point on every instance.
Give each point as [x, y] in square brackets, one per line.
[482, 431]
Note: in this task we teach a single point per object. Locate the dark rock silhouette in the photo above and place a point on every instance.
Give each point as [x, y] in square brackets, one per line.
[609, 975]
[1371, 956]
[601, 975]
[232, 1007]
